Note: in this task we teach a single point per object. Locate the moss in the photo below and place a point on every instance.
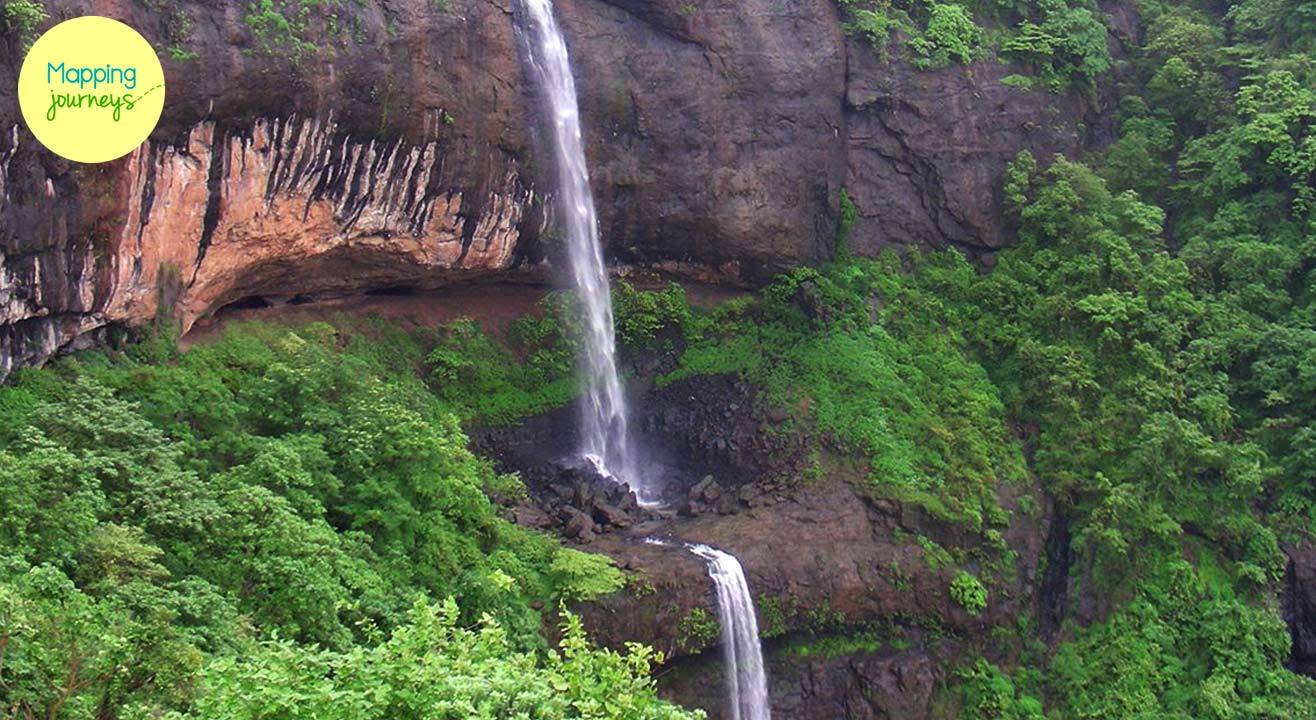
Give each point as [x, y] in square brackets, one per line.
[848, 215]
[898, 575]
[936, 556]
[834, 646]
[822, 618]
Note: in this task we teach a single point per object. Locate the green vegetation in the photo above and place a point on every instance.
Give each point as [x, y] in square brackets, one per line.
[433, 667]
[650, 320]
[990, 694]
[848, 215]
[835, 646]
[937, 33]
[22, 18]
[1163, 362]
[1066, 46]
[697, 630]
[1150, 333]
[951, 35]
[177, 26]
[290, 519]
[498, 380]
[484, 380]
[281, 519]
[298, 29]
[1064, 43]
[886, 379]
[968, 592]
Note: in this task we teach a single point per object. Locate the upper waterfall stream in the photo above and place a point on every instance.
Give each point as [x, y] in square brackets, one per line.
[604, 421]
[605, 434]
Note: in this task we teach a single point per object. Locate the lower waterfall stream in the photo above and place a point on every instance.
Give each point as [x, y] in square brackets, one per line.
[746, 679]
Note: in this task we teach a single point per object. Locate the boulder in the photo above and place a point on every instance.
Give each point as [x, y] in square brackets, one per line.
[576, 524]
[611, 515]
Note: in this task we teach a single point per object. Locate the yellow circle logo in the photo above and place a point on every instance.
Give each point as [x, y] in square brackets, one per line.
[91, 89]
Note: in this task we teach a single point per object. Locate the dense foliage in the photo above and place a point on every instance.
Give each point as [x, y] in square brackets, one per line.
[1168, 417]
[1108, 341]
[1063, 43]
[282, 521]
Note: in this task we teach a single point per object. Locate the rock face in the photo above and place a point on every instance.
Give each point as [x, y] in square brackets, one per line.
[882, 685]
[401, 151]
[826, 563]
[926, 149]
[716, 128]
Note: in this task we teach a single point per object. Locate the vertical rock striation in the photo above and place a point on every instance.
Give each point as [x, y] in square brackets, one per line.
[289, 206]
[294, 203]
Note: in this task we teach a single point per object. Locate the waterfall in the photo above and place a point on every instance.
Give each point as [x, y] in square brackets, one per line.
[748, 684]
[604, 434]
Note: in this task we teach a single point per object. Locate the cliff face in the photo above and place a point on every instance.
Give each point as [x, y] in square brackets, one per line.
[400, 151]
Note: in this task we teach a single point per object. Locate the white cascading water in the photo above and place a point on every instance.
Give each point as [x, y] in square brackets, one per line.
[604, 433]
[748, 682]
[604, 429]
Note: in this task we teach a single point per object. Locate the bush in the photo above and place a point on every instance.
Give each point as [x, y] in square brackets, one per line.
[990, 694]
[22, 17]
[433, 668]
[484, 381]
[968, 592]
[951, 35]
[643, 318]
[1068, 47]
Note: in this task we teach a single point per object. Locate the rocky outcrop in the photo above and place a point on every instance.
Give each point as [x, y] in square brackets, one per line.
[825, 556]
[851, 588]
[273, 173]
[1300, 604]
[396, 146]
[825, 565]
[293, 204]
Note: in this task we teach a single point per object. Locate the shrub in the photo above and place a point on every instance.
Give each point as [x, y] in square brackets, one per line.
[990, 694]
[968, 591]
[163, 511]
[22, 18]
[1068, 47]
[697, 630]
[436, 667]
[642, 317]
[951, 35]
[848, 215]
